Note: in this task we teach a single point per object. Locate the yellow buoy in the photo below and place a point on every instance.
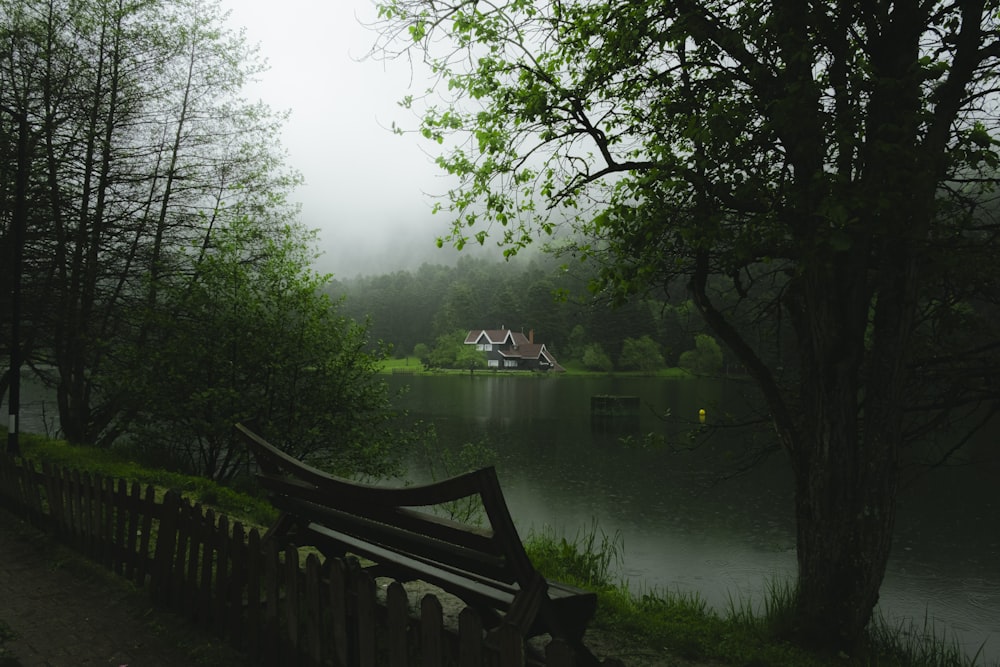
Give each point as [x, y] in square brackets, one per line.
[701, 415]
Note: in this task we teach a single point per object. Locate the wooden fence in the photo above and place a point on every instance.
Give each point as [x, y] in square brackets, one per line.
[287, 608]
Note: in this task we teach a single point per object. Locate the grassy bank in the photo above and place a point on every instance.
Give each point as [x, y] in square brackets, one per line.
[121, 464]
[642, 627]
[746, 634]
[412, 366]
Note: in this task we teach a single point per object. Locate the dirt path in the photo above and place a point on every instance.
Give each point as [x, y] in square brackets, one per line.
[59, 610]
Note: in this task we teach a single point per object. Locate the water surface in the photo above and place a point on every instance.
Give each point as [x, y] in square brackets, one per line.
[688, 523]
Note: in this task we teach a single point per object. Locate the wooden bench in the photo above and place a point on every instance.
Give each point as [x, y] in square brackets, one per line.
[393, 529]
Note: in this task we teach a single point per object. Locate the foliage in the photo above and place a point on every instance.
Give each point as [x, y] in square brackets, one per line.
[705, 358]
[422, 352]
[596, 359]
[576, 344]
[138, 144]
[245, 334]
[818, 175]
[450, 351]
[641, 354]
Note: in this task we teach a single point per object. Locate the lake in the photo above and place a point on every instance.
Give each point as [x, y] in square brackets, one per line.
[688, 521]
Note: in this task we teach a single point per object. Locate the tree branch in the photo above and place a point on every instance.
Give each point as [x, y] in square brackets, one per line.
[783, 420]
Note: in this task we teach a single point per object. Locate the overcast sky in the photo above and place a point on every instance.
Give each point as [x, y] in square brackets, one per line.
[367, 190]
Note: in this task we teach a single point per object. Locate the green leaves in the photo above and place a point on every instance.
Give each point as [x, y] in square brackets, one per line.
[246, 333]
[417, 31]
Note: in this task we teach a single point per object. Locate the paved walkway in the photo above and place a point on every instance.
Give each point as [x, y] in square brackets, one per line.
[58, 609]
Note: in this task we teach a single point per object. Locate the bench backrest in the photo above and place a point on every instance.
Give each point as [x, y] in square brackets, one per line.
[398, 519]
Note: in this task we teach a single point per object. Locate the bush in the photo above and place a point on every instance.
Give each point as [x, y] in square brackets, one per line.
[595, 359]
[705, 359]
[641, 354]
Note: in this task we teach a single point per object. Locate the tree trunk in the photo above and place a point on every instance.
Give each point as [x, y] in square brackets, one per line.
[853, 328]
[845, 511]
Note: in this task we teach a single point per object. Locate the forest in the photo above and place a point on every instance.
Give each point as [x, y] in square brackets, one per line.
[428, 312]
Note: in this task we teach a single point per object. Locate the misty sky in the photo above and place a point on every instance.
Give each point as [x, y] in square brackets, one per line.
[367, 190]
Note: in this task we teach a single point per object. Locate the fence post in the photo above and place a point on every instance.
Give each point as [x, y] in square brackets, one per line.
[147, 507]
[220, 538]
[313, 613]
[32, 483]
[75, 504]
[166, 537]
[397, 620]
[365, 588]
[470, 638]
[119, 500]
[431, 628]
[253, 626]
[338, 611]
[196, 538]
[237, 580]
[208, 555]
[511, 645]
[272, 630]
[292, 604]
[178, 573]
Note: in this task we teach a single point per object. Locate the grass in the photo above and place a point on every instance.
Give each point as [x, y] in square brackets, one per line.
[909, 643]
[111, 463]
[587, 561]
[747, 634]
[412, 365]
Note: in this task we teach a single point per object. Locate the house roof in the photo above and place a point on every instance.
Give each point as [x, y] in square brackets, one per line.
[525, 351]
[492, 336]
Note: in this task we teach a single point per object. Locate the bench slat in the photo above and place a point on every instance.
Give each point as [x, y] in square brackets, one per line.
[490, 564]
[487, 568]
[483, 593]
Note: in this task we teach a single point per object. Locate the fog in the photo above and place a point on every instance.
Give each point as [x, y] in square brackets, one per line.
[368, 191]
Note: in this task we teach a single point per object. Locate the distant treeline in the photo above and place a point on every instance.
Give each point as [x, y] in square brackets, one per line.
[543, 294]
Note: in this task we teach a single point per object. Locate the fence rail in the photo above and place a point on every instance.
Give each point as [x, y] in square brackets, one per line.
[287, 607]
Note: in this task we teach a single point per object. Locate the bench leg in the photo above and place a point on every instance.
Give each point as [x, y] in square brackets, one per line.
[280, 528]
[584, 658]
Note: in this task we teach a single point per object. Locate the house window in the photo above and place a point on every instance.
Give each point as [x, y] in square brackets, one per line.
[494, 363]
[484, 347]
[510, 363]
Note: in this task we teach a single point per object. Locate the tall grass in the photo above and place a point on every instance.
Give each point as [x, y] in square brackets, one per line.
[748, 633]
[592, 559]
[773, 615]
[905, 642]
